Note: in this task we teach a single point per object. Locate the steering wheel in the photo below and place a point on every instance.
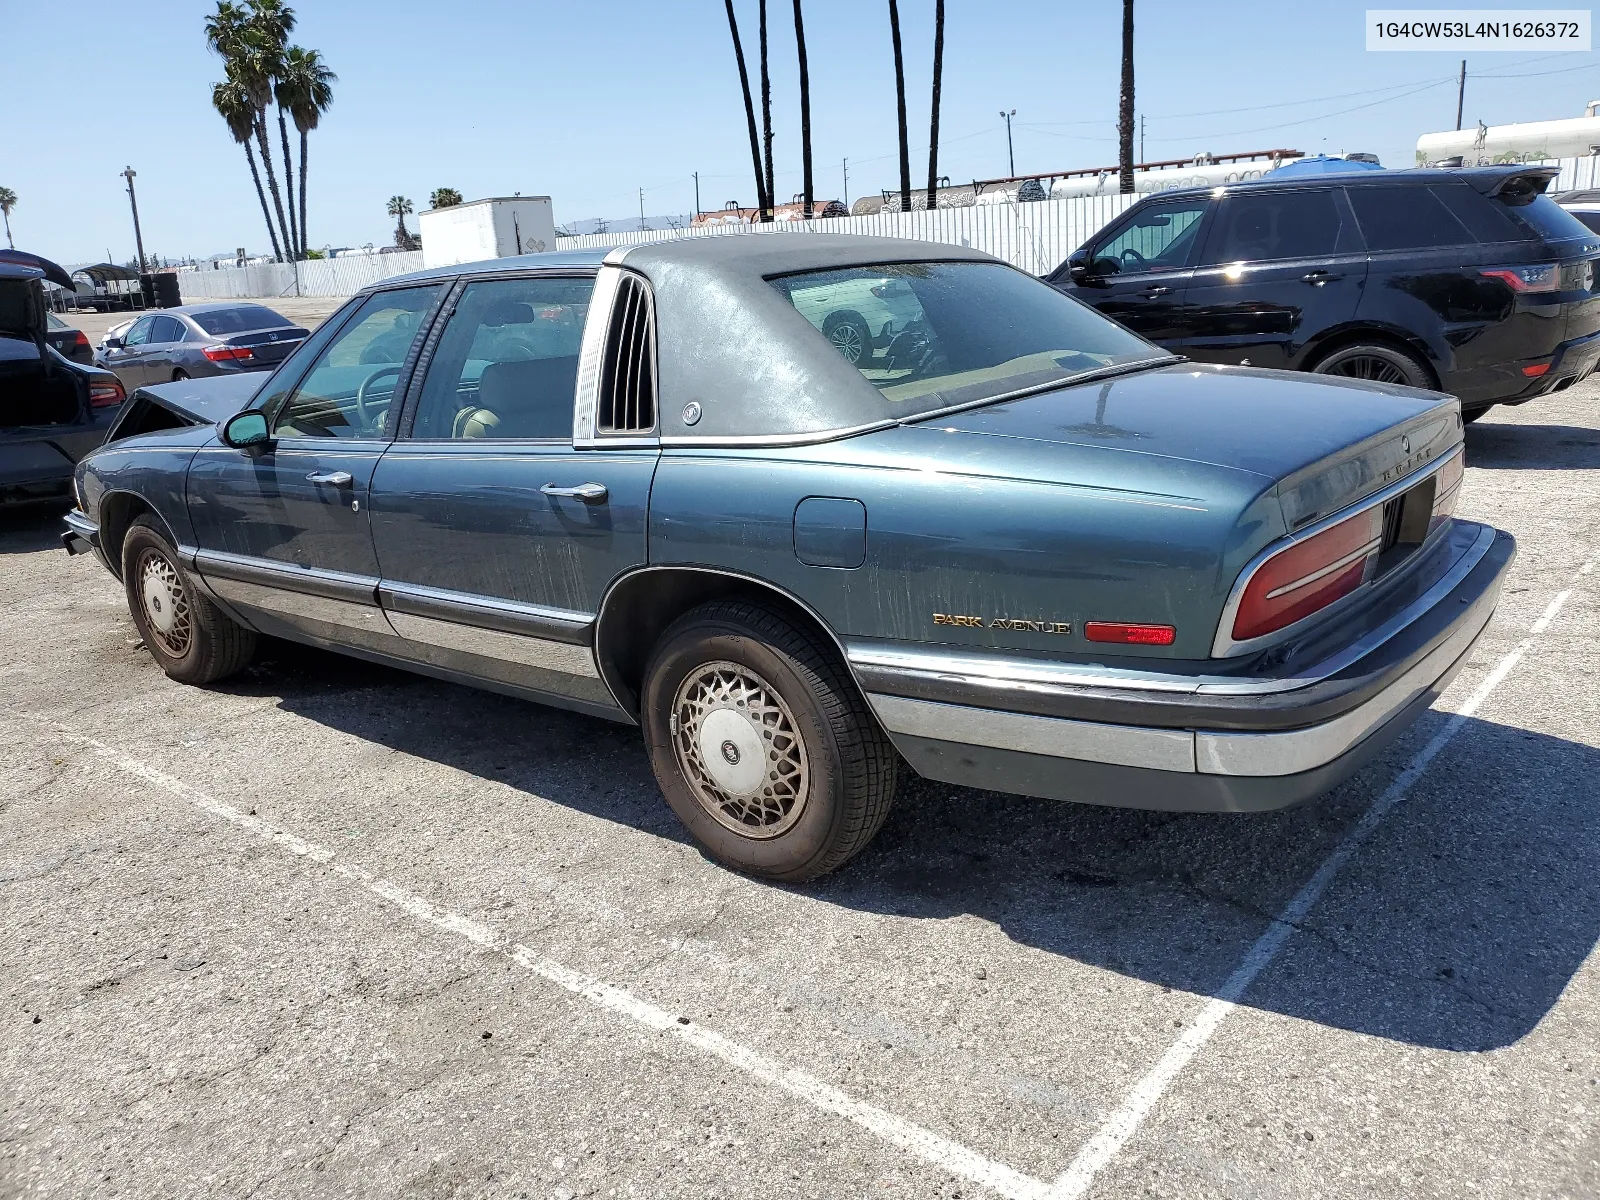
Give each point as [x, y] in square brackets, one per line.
[1130, 253]
[362, 411]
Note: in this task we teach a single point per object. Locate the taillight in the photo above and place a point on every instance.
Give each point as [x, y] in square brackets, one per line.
[1129, 635]
[106, 395]
[227, 353]
[1309, 575]
[1542, 278]
[79, 342]
[1446, 487]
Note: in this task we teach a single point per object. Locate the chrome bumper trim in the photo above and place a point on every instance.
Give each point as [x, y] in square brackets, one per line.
[81, 526]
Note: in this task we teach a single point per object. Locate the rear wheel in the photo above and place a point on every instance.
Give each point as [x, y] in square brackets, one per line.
[850, 334]
[762, 744]
[191, 639]
[180, 373]
[1376, 363]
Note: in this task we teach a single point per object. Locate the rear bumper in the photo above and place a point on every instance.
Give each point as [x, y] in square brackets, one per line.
[1570, 363]
[1218, 745]
[81, 536]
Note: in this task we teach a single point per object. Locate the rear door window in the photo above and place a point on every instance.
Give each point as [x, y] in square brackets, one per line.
[1267, 225]
[1396, 217]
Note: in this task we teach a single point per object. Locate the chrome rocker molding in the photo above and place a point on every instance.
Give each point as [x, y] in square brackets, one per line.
[1224, 646]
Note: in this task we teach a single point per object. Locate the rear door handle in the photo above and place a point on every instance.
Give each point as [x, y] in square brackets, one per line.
[589, 493]
[1156, 289]
[1318, 278]
[336, 478]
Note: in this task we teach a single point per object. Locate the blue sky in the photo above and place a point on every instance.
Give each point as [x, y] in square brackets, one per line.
[588, 103]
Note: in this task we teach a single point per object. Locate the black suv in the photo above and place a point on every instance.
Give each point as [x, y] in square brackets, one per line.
[1473, 281]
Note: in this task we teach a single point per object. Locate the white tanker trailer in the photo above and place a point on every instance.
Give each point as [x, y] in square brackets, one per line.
[1529, 141]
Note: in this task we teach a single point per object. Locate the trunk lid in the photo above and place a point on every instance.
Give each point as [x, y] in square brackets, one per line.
[268, 345]
[1325, 442]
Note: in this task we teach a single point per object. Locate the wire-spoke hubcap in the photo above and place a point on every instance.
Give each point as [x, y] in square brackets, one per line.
[166, 606]
[1369, 366]
[737, 746]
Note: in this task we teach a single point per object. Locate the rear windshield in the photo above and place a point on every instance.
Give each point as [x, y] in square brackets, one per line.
[1590, 218]
[56, 323]
[932, 335]
[1548, 219]
[241, 319]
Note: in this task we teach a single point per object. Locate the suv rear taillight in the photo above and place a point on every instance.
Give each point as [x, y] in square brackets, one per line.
[106, 395]
[227, 353]
[1309, 575]
[1545, 277]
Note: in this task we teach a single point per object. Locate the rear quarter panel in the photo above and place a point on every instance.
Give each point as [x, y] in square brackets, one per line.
[972, 528]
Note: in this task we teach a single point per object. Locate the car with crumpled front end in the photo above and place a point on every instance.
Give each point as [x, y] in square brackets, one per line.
[1028, 552]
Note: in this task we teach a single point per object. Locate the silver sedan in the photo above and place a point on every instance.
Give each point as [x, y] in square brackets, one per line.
[221, 338]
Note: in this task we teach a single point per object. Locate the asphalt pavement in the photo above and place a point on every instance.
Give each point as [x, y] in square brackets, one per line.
[330, 929]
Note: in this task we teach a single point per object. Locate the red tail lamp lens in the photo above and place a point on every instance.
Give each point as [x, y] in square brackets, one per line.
[105, 395]
[1129, 635]
[1308, 575]
[1536, 370]
[78, 340]
[227, 353]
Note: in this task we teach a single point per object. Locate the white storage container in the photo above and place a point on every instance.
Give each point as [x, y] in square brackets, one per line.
[495, 228]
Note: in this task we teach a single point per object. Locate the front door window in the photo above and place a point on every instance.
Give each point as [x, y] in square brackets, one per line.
[1161, 237]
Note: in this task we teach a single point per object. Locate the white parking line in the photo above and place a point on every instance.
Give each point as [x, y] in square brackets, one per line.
[930, 1147]
[1115, 1133]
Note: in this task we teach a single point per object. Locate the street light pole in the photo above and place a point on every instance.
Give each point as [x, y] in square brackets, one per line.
[1011, 156]
[138, 238]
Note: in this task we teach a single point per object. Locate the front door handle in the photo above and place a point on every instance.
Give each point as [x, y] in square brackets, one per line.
[1318, 278]
[589, 493]
[1156, 289]
[337, 478]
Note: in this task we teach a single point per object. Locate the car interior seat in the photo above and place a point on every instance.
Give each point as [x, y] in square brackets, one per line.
[530, 398]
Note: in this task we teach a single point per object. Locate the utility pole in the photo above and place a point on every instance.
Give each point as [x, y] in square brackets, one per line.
[846, 166]
[1011, 156]
[1461, 92]
[697, 193]
[1141, 138]
[138, 238]
[642, 225]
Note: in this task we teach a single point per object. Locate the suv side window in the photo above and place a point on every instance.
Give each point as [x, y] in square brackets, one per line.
[1397, 217]
[1161, 237]
[1273, 225]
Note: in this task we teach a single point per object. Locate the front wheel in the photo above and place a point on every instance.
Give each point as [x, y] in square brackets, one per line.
[762, 744]
[851, 336]
[1376, 363]
[190, 638]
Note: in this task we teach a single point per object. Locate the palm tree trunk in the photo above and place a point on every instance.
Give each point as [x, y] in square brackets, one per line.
[304, 245]
[1125, 108]
[805, 105]
[266, 213]
[933, 129]
[766, 113]
[9, 242]
[762, 199]
[900, 97]
[272, 180]
[296, 249]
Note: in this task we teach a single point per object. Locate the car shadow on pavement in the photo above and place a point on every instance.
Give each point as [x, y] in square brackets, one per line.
[1499, 445]
[1456, 926]
[29, 528]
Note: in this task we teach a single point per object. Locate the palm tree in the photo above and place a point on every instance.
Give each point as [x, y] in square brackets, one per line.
[763, 201]
[399, 206]
[8, 201]
[933, 131]
[272, 22]
[900, 97]
[766, 113]
[231, 101]
[251, 58]
[307, 85]
[1125, 108]
[444, 198]
[805, 104]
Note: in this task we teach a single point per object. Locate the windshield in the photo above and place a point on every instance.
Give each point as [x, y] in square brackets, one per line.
[243, 319]
[932, 335]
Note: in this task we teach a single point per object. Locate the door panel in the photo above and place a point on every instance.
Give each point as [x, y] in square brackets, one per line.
[483, 569]
[130, 361]
[285, 535]
[1279, 268]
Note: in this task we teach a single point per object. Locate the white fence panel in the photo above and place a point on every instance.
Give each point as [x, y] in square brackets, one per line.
[1035, 236]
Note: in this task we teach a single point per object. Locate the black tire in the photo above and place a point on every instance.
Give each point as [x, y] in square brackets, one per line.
[850, 334]
[202, 644]
[1469, 415]
[829, 771]
[1377, 362]
[180, 373]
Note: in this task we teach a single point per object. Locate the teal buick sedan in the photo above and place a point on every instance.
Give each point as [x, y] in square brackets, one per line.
[814, 511]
